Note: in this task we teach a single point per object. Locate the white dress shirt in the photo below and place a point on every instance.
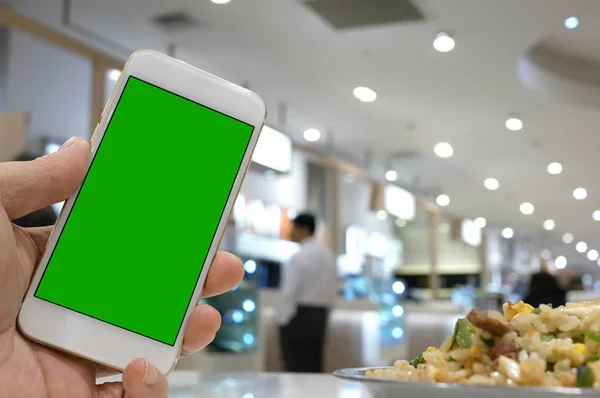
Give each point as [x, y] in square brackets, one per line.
[310, 278]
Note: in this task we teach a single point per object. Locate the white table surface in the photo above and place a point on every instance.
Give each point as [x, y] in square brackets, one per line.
[186, 384]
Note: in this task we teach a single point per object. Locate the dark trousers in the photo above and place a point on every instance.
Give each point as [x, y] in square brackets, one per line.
[302, 340]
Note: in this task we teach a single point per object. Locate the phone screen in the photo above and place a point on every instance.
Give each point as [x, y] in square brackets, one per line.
[134, 244]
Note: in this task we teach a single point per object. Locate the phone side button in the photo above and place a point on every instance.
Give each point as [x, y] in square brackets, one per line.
[95, 134]
[105, 109]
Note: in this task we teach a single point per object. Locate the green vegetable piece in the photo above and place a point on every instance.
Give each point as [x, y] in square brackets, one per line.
[592, 358]
[487, 342]
[592, 336]
[549, 366]
[450, 359]
[418, 360]
[536, 311]
[549, 305]
[547, 337]
[585, 377]
[462, 333]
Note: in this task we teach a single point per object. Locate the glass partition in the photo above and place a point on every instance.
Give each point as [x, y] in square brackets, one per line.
[240, 312]
[415, 268]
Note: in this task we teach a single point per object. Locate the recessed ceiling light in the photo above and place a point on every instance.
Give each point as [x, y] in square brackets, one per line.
[581, 247]
[546, 254]
[442, 200]
[560, 262]
[400, 223]
[443, 42]
[443, 150]
[508, 233]
[480, 222]
[580, 193]
[381, 215]
[596, 215]
[568, 238]
[526, 208]
[554, 168]
[365, 94]
[549, 225]
[491, 183]
[592, 255]
[312, 135]
[114, 74]
[571, 22]
[391, 175]
[514, 124]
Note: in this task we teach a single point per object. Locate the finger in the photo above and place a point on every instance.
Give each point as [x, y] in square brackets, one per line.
[201, 329]
[226, 272]
[110, 390]
[142, 380]
[39, 236]
[30, 186]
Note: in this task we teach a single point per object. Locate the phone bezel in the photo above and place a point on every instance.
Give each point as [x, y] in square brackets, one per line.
[109, 345]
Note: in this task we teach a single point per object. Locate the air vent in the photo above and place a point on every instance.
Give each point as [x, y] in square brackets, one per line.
[348, 14]
[175, 21]
[404, 155]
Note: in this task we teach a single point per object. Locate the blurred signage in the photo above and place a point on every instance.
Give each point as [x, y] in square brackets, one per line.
[399, 202]
[273, 150]
[470, 233]
[361, 243]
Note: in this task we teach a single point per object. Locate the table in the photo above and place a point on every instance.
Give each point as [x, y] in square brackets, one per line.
[187, 384]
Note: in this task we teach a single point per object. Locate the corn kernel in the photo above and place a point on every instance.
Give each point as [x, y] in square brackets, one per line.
[521, 308]
[580, 348]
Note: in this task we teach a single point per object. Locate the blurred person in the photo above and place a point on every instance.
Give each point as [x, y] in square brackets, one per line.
[545, 289]
[308, 292]
[570, 279]
[576, 283]
[38, 218]
[28, 369]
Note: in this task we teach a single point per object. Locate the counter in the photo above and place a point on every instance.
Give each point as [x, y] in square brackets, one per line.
[261, 385]
[353, 340]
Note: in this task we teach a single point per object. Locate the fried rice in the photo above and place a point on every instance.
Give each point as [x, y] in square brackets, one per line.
[523, 346]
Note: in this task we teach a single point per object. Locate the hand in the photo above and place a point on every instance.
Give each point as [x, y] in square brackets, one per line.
[31, 370]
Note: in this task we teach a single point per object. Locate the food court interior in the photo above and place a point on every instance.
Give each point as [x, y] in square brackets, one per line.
[448, 149]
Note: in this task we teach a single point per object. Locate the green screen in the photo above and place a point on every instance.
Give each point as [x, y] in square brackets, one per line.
[134, 244]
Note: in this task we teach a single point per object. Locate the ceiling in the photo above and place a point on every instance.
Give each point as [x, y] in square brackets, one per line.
[288, 54]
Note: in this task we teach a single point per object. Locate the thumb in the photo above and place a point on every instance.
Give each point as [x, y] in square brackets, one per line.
[30, 186]
[142, 379]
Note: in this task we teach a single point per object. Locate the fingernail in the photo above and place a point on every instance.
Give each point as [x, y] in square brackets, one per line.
[185, 353]
[151, 375]
[69, 142]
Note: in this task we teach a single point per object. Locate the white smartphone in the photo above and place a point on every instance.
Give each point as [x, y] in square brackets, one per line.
[125, 265]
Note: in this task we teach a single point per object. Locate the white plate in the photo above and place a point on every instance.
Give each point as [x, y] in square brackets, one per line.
[383, 388]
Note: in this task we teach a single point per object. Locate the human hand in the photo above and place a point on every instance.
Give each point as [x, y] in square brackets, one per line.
[30, 370]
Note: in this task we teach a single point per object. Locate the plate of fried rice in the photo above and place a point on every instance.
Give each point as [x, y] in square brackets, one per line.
[546, 350]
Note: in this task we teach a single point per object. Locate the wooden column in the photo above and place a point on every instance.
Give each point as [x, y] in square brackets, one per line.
[335, 201]
[97, 95]
[434, 222]
[485, 274]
